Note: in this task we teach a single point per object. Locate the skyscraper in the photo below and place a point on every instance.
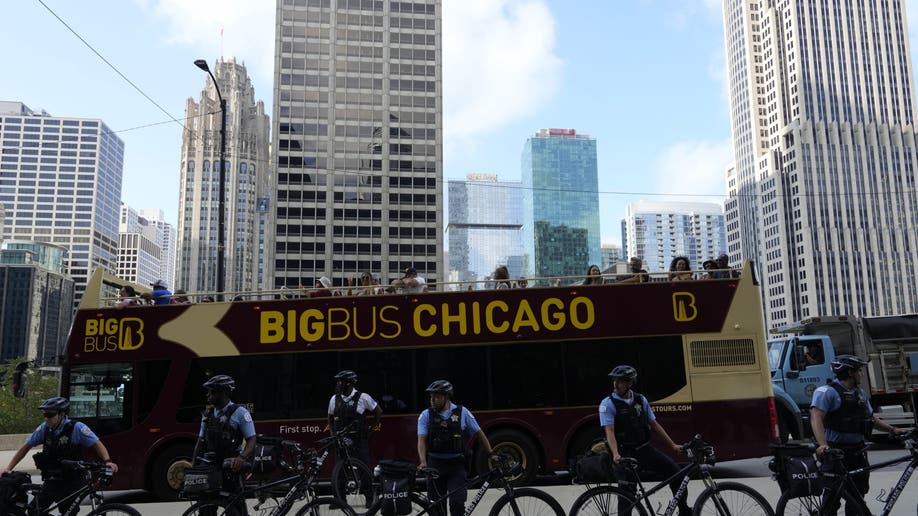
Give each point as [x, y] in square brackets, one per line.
[357, 140]
[485, 227]
[560, 203]
[166, 231]
[661, 231]
[247, 179]
[140, 252]
[822, 190]
[61, 184]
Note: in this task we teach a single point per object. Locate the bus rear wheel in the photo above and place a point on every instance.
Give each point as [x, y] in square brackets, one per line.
[518, 446]
[168, 471]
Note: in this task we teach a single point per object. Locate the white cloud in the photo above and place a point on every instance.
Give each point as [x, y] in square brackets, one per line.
[695, 168]
[499, 64]
[248, 31]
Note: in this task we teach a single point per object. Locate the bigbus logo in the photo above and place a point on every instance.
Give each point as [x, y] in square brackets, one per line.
[684, 309]
[125, 334]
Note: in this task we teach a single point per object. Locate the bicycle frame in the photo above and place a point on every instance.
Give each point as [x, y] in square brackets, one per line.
[71, 501]
[890, 501]
[687, 470]
[487, 479]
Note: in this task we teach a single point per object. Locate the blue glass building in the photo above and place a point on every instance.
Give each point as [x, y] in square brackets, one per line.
[560, 203]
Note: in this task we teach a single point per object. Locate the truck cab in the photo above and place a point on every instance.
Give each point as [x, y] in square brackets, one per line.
[799, 364]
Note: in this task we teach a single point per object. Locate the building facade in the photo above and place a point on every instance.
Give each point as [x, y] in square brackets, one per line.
[166, 233]
[661, 231]
[140, 254]
[485, 227]
[560, 203]
[357, 140]
[611, 255]
[36, 302]
[822, 191]
[247, 179]
[60, 183]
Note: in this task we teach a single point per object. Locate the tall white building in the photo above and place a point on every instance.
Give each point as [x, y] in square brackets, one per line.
[657, 232]
[140, 251]
[60, 183]
[166, 233]
[822, 191]
[611, 255]
[357, 140]
[248, 179]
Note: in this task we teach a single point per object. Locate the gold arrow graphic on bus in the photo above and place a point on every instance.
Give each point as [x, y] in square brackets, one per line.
[197, 327]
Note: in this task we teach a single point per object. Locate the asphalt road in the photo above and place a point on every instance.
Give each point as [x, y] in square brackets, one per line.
[752, 472]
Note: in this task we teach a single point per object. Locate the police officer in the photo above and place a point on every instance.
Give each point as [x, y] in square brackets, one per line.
[629, 423]
[61, 438]
[442, 431]
[348, 408]
[841, 417]
[225, 428]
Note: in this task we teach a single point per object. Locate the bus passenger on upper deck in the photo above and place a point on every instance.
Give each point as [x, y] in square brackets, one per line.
[637, 272]
[128, 297]
[680, 269]
[724, 271]
[502, 277]
[442, 432]
[412, 283]
[161, 294]
[594, 276]
[349, 407]
[629, 422]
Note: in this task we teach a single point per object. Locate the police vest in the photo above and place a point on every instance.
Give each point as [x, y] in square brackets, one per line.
[632, 422]
[444, 435]
[56, 448]
[346, 413]
[219, 437]
[852, 417]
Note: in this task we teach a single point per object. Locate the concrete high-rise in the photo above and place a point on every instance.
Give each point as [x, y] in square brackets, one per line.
[140, 251]
[485, 227]
[357, 140]
[822, 191]
[60, 183]
[166, 232]
[661, 231]
[560, 203]
[248, 179]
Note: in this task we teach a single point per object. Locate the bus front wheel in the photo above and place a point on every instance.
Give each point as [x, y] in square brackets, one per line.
[168, 471]
[518, 446]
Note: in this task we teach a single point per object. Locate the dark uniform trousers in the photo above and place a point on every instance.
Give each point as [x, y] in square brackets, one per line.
[649, 458]
[855, 458]
[452, 476]
[55, 489]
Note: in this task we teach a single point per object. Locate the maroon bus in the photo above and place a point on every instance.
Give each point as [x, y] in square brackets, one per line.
[531, 364]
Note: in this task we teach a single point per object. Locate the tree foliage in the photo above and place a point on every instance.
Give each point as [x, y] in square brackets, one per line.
[20, 415]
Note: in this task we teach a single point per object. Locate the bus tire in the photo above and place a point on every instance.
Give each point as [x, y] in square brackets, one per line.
[168, 471]
[787, 426]
[517, 445]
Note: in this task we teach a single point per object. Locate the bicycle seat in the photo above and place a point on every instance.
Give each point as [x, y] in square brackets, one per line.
[629, 463]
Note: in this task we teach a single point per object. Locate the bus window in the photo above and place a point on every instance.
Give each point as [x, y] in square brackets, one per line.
[464, 366]
[385, 375]
[151, 376]
[101, 395]
[526, 376]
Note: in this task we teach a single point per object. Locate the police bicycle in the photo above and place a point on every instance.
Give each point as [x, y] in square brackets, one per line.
[274, 498]
[95, 476]
[516, 501]
[839, 487]
[351, 479]
[720, 498]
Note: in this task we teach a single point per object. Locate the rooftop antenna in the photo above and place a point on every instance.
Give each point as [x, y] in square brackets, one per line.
[221, 43]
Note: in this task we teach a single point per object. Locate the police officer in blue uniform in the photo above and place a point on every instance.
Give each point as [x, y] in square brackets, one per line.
[841, 417]
[443, 430]
[62, 439]
[224, 429]
[629, 423]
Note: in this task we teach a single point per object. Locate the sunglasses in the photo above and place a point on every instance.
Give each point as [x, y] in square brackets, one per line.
[364, 277]
[49, 415]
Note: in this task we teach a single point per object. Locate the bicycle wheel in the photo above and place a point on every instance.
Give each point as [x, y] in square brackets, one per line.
[352, 481]
[214, 508]
[114, 509]
[603, 501]
[732, 498]
[527, 501]
[325, 507]
[810, 505]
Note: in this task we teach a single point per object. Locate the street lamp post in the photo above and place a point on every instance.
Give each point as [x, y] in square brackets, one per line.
[221, 216]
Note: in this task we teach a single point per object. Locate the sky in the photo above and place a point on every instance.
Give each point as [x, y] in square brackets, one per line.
[646, 78]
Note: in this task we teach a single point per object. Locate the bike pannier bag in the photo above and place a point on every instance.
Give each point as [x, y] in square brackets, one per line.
[10, 493]
[267, 457]
[396, 479]
[203, 479]
[594, 469]
[796, 471]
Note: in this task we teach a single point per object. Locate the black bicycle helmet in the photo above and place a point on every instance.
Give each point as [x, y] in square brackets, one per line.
[440, 387]
[845, 364]
[624, 372]
[346, 376]
[56, 404]
[220, 382]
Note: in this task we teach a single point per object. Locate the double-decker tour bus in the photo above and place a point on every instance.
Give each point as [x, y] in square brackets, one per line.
[532, 364]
